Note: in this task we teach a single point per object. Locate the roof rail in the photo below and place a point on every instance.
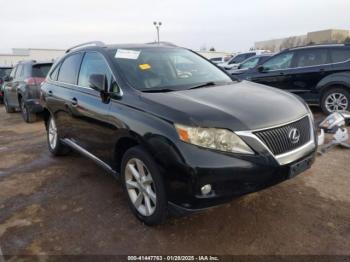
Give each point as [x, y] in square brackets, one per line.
[162, 43]
[317, 45]
[92, 43]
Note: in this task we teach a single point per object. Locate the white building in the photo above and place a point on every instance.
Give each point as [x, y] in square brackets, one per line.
[20, 54]
[213, 54]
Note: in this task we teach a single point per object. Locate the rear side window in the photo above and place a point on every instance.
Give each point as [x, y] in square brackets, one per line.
[93, 63]
[54, 73]
[70, 68]
[311, 57]
[41, 70]
[13, 72]
[19, 72]
[340, 55]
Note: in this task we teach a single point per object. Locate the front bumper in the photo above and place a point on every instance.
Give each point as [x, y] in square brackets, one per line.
[230, 175]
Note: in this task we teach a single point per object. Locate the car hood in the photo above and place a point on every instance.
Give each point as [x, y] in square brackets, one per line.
[238, 106]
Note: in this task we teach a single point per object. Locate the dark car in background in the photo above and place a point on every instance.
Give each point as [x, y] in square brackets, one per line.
[22, 89]
[250, 63]
[4, 73]
[180, 137]
[320, 74]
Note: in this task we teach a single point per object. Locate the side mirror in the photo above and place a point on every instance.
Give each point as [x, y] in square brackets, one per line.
[98, 82]
[239, 66]
[261, 69]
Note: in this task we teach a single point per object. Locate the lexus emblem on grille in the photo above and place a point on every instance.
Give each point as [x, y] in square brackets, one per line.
[294, 135]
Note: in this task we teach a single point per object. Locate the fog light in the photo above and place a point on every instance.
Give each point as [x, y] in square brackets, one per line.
[206, 189]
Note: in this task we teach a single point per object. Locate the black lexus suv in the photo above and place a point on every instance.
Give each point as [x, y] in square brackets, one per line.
[22, 88]
[320, 74]
[175, 128]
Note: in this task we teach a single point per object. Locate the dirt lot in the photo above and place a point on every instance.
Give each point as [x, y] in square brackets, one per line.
[69, 205]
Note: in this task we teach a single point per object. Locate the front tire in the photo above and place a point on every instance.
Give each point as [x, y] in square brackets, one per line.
[336, 99]
[143, 183]
[56, 146]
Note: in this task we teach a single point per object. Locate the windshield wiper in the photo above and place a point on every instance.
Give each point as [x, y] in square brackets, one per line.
[157, 90]
[211, 83]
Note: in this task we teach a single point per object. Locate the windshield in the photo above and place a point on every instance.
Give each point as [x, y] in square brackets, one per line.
[171, 69]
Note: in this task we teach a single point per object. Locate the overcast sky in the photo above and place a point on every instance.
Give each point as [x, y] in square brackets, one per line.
[230, 25]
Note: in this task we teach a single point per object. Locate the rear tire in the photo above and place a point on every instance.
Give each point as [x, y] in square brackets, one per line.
[9, 109]
[144, 186]
[335, 99]
[28, 116]
[56, 146]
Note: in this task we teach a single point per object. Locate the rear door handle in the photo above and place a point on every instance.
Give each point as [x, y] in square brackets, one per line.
[74, 101]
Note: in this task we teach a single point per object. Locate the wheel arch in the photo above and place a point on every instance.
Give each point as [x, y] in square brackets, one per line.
[332, 81]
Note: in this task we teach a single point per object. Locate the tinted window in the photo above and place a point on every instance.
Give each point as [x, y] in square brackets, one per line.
[19, 72]
[69, 69]
[41, 70]
[311, 57]
[250, 63]
[340, 55]
[93, 63]
[240, 58]
[281, 61]
[54, 73]
[13, 72]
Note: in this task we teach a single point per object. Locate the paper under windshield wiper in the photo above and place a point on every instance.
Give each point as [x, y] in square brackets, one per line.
[204, 85]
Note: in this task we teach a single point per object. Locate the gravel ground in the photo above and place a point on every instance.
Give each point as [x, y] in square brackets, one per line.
[69, 205]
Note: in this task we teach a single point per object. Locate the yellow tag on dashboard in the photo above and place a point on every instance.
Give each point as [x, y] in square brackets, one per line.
[144, 66]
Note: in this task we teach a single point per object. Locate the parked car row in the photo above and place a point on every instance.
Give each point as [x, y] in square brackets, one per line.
[319, 74]
[235, 61]
[22, 88]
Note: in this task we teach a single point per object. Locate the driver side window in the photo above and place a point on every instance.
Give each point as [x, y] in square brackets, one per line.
[279, 62]
[94, 63]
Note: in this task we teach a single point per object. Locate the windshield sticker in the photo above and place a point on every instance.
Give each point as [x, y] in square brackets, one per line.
[145, 66]
[127, 54]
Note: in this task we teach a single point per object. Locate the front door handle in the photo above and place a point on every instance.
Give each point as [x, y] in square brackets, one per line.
[74, 101]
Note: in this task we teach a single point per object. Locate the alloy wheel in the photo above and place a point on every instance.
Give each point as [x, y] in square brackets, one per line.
[140, 187]
[336, 102]
[52, 133]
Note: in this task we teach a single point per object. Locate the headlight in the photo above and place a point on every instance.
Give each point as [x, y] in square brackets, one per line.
[213, 138]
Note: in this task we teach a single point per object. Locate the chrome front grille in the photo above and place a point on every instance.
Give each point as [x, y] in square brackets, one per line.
[280, 140]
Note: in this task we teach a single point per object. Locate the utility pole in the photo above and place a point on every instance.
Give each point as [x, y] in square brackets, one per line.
[157, 25]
